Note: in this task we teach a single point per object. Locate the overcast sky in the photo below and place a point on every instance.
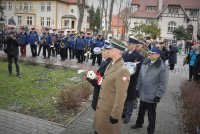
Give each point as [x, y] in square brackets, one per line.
[115, 8]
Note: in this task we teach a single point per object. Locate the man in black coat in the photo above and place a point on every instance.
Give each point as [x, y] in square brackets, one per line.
[12, 50]
[105, 62]
[131, 55]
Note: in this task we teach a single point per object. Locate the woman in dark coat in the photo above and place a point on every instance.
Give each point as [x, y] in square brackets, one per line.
[196, 70]
[106, 61]
[173, 50]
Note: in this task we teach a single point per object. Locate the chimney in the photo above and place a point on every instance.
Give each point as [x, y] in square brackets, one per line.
[160, 5]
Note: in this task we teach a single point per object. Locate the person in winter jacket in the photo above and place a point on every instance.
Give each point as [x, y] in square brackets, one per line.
[23, 40]
[33, 41]
[12, 50]
[192, 58]
[173, 50]
[151, 86]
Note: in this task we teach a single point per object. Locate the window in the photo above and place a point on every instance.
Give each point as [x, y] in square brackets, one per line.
[4, 5]
[73, 23]
[171, 26]
[42, 21]
[66, 23]
[5, 19]
[149, 21]
[29, 20]
[25, 6]
[42, 7]
[72, 10]
[9, 5]
[48, 21]
[19, 20]
[30, 6]
[194, 13]
[20, 5]
[48, 6]
[151, 8]
[173, 9]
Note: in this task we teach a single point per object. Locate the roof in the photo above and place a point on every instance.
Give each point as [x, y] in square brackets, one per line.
[142, 13]
[69, 16]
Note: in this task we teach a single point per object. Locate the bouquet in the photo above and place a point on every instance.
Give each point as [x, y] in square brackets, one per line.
[94, 78]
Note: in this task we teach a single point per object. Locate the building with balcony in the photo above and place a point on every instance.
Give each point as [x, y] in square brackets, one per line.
[169, 14]
[59, 14]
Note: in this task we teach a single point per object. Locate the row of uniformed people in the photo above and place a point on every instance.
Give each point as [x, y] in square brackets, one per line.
[65, 45]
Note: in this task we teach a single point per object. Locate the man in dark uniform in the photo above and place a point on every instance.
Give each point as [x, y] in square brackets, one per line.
[62, 45]
[33, 40]
[131, 55]
[54, 36]
[80, 47]
[23, 39]
[47, 43]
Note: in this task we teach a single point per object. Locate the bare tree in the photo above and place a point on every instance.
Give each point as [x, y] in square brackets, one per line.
[110, 15]
[119, 6]
[125, 16]
[81, 7]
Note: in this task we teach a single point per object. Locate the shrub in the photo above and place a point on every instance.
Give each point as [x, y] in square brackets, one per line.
[72, 98]
[191, 106]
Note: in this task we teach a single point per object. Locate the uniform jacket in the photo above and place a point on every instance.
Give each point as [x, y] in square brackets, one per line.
[80, 44]
[71, 41]
[101, 70]
[112, 97]
[88, 42]
[173, 50]
[99, 43]
[193, 54]
[54, 38]
[12, 46]
[33, 37]
[23, 38]
[133, 57]
[152, 80]
[48, 39]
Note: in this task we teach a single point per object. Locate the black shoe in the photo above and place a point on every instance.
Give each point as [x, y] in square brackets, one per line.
[95, 132]
[123, 115]
[136, 126]
[127, 119]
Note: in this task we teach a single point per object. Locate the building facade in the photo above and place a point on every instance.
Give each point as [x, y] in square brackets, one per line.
[169, 14]
[59, 14]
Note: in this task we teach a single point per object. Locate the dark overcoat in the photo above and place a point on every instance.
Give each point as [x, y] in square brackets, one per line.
[133, 57]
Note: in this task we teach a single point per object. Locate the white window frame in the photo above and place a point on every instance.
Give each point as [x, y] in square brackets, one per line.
[149, 21]
[66, 23]
[9, 6]
[173, 9]
[4, 5]
[30, 6]
[19, 18]
[151, 8]
[48, 6]
[20, 5]
[29, 20]
[194, 13]
[48, 21]
[42, 20]
[42, 7]
[25, 6]
[5, 20]
[171, 26]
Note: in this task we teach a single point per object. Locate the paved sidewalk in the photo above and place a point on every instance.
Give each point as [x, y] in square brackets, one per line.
[167, 113]
[15, 123]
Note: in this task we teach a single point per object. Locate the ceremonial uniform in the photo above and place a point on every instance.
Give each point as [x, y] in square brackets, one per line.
[71, 46]
[112, 97]
[23, 40]
[47, 44]
[33, 40]
[99, 43]
[80, 46]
